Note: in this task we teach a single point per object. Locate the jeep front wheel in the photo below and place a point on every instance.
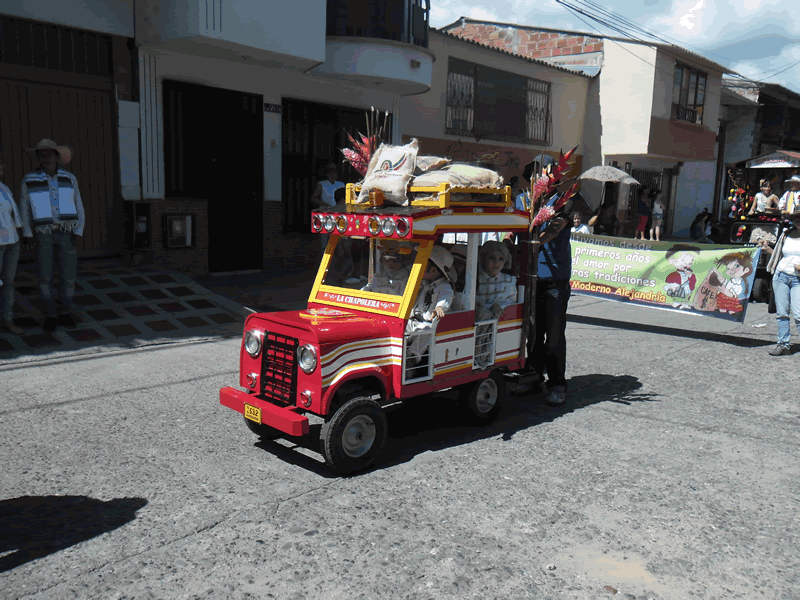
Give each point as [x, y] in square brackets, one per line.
[354, 436]
[265, 432]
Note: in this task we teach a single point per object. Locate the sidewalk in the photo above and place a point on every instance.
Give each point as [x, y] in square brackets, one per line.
[121, 308]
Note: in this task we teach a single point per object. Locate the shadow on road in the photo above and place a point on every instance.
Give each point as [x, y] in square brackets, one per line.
[735, 340]
[416, 429]
[34, 526]
[433, 423]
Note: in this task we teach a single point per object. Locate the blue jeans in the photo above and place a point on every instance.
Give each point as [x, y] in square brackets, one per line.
[9, 257]
[787, 296]
[57, 255]
[549, 351]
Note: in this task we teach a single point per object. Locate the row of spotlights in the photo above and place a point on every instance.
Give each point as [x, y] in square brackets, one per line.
[375, 225]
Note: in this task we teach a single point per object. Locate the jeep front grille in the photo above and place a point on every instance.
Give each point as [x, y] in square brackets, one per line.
[279, 368]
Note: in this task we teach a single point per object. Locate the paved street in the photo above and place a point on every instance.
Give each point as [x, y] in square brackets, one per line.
[671, 473]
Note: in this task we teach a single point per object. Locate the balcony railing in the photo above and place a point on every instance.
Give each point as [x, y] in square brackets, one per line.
[398, 20]
[684, 113]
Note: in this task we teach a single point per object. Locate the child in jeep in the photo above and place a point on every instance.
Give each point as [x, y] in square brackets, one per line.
[496, 292]
[434, 299]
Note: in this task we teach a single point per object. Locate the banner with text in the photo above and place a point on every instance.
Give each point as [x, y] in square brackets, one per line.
[702, 279]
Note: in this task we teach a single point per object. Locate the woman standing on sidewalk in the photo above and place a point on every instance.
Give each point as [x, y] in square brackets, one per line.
[10, 229]
[785, 264]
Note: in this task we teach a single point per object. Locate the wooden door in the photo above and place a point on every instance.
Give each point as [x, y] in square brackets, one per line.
[213, 151]
[79, 118]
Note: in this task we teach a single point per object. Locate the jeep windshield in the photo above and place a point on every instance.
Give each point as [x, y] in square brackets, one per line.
[378, 266]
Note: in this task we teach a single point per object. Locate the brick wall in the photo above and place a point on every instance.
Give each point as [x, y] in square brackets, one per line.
[191, 261]
[527, 42]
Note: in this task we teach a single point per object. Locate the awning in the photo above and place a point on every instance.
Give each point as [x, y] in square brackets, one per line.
[780, 159]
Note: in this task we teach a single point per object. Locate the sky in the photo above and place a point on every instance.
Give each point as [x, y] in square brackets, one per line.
[759, 39]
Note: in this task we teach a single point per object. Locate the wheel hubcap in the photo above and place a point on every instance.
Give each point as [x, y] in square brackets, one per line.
[486, 397]
[358, 436]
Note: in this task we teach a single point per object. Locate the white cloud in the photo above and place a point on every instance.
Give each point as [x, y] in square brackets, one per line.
[482, 14]
[686, 19]
[745, 8]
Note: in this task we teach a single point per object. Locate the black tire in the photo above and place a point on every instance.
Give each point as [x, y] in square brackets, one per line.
[265, 432]
[761, 290]
[485, 398]
[354, 436]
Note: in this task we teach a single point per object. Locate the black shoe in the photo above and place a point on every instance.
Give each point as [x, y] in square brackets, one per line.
[50, 324]
[66, 320]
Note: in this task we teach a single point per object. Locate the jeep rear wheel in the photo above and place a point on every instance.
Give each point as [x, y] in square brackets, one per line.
[354, 436]
[485, 399]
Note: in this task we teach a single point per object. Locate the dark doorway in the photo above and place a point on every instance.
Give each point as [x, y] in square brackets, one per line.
[214, 151]
[313, 135]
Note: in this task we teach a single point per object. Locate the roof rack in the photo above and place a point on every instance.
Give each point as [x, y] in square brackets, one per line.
[440, 196]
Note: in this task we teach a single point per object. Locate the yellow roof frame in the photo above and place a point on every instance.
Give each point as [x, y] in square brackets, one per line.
[405, 303]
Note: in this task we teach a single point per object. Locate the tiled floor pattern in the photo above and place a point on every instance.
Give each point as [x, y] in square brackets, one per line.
[120, 306]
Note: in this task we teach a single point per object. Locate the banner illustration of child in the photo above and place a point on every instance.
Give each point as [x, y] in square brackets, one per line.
[726, 294]
[681, 283]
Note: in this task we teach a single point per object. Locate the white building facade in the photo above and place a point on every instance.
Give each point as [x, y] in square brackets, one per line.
[229, 113]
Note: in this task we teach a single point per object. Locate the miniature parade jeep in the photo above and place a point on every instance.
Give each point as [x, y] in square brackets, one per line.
[347, 356]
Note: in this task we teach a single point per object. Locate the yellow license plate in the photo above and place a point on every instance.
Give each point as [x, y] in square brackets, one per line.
[252, 412]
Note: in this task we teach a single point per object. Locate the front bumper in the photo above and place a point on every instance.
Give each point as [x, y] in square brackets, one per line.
[285, 419]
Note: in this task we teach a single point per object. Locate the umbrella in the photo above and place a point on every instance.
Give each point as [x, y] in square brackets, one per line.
[608, 174]
[538, 163]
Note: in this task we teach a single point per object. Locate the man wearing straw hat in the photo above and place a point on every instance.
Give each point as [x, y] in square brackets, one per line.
[51, 207]
[790, 201]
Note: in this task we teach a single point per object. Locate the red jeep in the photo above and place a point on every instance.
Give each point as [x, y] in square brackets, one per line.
[346, 357]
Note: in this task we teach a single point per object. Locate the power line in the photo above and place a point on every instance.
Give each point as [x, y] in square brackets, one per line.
[625, 33]
[622, 22]
[707, 92]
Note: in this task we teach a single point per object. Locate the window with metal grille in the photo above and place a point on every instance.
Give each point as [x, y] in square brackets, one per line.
[460, 112]
[32, 44]
[688, 94]
[538, 115]
[488, 103]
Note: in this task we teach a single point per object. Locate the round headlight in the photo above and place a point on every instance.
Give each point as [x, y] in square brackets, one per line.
[341, 224]
[402, 227]
[252, 342]
[329, 224]
[307, 358]
[316, 223]
[374, 226]
[388, 227]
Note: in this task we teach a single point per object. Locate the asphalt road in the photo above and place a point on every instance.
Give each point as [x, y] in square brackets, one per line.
[671, 473]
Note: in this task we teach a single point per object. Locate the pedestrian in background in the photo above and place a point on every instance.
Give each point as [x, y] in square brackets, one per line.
[657, 217]
[10, 234]
[790, 201]
[698, 228]
[604, 219]
[577, 226]
[324, 196]
[785, 267]
[51, 207]
[642, 212]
